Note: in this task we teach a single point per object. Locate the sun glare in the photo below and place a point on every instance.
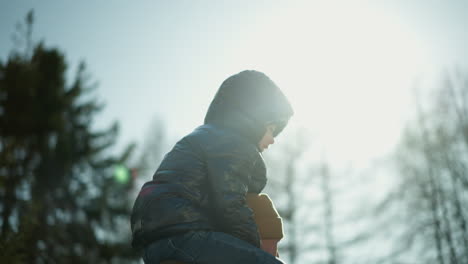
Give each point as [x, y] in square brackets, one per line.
[347, 72]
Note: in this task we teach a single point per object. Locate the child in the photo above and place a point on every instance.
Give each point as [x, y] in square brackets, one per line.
[194, 210]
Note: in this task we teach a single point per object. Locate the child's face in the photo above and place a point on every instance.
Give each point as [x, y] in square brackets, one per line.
[268, 138]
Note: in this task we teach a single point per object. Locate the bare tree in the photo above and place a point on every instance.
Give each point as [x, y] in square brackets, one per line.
[328, 211]
[432, 160]
[304, 187]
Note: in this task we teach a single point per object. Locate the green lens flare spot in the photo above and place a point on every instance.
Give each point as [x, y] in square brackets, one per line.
[121, 174]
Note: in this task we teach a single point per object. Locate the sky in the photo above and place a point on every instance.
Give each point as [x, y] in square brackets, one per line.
[348, 67]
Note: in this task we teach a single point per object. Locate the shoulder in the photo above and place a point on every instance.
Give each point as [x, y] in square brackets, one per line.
[213, 139]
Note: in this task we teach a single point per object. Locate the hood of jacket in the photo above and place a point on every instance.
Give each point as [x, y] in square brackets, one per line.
[247, 102]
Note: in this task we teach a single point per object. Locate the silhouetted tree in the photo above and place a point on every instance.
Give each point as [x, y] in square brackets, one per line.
[283, 186]
[310, 196]
[328, 215]
[59, 200]
[433, 162]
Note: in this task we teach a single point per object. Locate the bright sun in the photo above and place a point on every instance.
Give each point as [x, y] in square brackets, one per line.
[347, 70]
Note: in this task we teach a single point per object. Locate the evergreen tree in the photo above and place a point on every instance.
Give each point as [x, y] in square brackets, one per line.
[59, 200]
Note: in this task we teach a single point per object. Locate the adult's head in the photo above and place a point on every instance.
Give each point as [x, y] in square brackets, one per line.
[248, 102]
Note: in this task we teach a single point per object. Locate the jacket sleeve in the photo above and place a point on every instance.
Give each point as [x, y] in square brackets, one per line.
[229, 172]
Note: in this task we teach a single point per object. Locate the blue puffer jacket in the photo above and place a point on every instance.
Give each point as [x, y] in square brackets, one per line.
[202, 182]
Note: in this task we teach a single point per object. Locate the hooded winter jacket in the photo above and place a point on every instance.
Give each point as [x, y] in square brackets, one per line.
[202, 183]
